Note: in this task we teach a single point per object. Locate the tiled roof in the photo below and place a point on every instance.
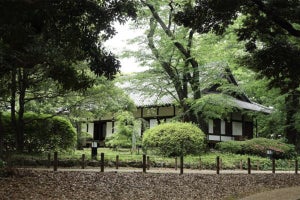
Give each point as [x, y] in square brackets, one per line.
[142, 100]
[149, 101]
[252, 106]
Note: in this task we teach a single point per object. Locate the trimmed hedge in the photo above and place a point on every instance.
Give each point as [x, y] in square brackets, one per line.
[175, 139]
[258, 146]
[41, 133]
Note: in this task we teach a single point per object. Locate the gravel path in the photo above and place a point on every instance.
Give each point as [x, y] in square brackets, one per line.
[33, 184]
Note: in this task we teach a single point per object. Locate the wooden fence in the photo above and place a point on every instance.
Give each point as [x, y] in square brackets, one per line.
[146, 163]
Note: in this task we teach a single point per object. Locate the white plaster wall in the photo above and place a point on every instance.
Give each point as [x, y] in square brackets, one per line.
[226, 138]
[222, 127]
[210, 126]
[214, 137]
[153, 122]
[108, 129]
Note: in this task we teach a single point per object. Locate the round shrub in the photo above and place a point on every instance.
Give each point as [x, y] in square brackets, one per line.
[175, 139]
[41, 133]
[258, 146]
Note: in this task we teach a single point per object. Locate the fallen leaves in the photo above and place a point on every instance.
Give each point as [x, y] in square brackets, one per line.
[30, 184]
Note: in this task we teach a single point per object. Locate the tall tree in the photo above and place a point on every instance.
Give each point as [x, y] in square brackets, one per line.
[175, 62]
[53, 36]
[272, 34]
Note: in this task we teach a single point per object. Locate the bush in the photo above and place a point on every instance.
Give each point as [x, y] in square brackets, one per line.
[84, 140]
[235, 147]
[258, 146]
[175, 139]
[42, 133]
[126, 134]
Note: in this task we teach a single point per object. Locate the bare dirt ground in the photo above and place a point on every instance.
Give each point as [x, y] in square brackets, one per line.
[42, 184]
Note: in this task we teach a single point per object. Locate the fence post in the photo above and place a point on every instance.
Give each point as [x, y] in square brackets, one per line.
[55, 162]
[200, 164]
[273, 165]
[181, 164]
[144, 163]
[148, 163]
[296, 166]
[49, 160]
[176, 163]
[249, 166]
[218, 164]
[257, 165]
[117, 161]
[102, 162]
[241, 164]
[82, 161]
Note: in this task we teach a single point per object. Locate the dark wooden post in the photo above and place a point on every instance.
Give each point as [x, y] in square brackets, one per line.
[148, 163]
[241, 165]
[249, 166]
[49, 160]
[176, 164]
[144, 163]
[296, 166]
[257, 165]
[55, 162]
[200, 164]
[117, 161]
[273, 165]
[218, 164]
[181, 164]
[102, 162]
[82, 161]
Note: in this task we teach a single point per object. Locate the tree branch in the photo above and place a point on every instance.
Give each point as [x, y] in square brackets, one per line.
[167, 67]
[180, 47]
[277, 19]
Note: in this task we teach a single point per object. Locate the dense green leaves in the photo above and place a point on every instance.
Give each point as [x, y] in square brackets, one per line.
[32, 31]
[175, 139]
[45, 40]
[258, 146]
[42, 133]
[126, 133]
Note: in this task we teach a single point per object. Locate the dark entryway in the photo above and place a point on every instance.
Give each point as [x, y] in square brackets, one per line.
[99, 131]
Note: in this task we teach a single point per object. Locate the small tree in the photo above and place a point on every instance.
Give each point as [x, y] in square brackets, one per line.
[126, 134]
[175, 139]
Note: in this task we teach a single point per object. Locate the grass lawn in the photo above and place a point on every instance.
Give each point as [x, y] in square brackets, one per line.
[205, 161]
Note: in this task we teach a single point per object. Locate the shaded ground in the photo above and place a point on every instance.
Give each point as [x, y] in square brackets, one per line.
[32, 184]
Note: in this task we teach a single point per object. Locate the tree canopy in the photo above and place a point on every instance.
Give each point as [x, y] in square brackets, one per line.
[42, 40]
[271, 31]
[36, 32]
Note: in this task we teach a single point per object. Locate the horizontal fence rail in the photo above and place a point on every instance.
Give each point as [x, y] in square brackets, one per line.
[146, 162]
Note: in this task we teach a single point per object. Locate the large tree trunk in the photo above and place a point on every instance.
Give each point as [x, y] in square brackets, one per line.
[13, 91]
[20, 124]
[292, 105]
[1, 137]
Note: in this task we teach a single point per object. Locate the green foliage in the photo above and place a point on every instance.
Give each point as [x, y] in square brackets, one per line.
[83, 138]
[2, 164]
[231, 146]
[214, 106]
[175, 139]
[126, 131]
[271, 35]
[258, 146]
[42, 133]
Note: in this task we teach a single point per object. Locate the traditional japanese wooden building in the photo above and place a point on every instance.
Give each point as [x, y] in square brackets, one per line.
[155, 109]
